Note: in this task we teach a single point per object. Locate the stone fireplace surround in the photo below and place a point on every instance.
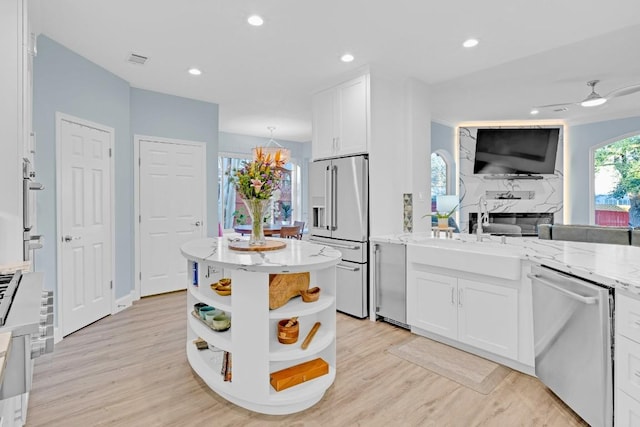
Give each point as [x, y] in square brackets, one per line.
[527, 221]
[508, 197]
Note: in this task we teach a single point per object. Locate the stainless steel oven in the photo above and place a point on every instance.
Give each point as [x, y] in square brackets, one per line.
[573, 336]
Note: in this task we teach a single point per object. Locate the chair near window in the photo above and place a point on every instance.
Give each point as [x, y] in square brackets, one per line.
[301, 225]
[290, 232]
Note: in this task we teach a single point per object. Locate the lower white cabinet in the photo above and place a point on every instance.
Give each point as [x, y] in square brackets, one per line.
[627, 360]
[480, 314]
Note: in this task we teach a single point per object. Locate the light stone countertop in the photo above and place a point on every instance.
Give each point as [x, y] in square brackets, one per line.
[297, 256]
[611, 265]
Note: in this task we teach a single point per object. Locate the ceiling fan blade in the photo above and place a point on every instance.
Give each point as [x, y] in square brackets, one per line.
[556, 105]
[623, 91]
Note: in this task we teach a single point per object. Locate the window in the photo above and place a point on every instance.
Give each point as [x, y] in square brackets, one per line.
[438, 178]
[617, 183]
[231, 210]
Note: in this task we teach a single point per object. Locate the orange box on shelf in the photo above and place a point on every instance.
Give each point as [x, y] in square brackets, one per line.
[297, 374]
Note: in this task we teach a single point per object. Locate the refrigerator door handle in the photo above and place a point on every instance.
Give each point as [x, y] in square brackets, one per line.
[334, 197]
[376, 270]
[327, 196]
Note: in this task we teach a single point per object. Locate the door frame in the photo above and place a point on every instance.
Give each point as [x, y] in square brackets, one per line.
[58, 287]
[136, 196]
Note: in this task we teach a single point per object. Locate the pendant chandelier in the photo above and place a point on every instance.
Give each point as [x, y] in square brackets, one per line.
[272, 148]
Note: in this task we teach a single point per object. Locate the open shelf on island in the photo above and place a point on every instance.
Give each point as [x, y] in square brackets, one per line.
[210, 297]
[297, 307]
[207, 364]
[218, 339]
[280, 352]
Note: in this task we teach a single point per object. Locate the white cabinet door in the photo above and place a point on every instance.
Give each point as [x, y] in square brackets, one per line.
[341, 119]
[627, 410]
[323, 144]
[352, 127]
[432, 303]
[85, 208]
[488, 317]
[172, 211]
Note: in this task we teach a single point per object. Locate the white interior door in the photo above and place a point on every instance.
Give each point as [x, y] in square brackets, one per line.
[85, 208]
[172, 211]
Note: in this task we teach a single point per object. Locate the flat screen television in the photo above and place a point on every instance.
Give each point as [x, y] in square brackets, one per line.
[516, 151]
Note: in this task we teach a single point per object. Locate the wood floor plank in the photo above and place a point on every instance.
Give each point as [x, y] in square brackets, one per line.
[131, 370]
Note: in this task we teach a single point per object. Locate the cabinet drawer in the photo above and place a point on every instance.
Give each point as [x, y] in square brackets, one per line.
[627, 410]
[628, 317]
[628, 367]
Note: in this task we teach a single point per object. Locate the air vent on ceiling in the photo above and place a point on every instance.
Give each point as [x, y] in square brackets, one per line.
[559, 110]
[134, 58]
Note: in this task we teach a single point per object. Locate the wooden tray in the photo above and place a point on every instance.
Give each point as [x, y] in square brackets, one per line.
[243, 245]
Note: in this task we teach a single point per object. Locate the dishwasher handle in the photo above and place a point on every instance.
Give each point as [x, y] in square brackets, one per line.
[572, 295]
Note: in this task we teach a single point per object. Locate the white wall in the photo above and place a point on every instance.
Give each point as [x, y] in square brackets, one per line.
[11, 132]
[399, 152]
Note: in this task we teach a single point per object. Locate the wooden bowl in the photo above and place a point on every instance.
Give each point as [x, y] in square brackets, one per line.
[311, 294]
[288, 335]
[221, 289]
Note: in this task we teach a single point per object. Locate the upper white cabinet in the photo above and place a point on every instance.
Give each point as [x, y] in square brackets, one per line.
[341, 119]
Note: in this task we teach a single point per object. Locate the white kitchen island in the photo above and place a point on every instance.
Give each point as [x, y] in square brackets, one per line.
[252, 338]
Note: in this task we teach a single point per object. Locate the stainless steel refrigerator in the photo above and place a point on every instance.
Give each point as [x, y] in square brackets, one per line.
[339, 197]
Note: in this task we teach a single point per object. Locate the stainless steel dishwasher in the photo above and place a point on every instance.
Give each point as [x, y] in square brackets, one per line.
[390, 282]
[572, 329]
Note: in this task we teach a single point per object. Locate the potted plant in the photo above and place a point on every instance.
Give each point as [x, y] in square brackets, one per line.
[256, 182]
[446, 205]
[286, 211]
[239, 217]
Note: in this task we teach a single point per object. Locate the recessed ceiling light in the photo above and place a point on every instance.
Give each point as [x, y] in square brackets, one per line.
[470, 43]
[534, 112]
[255, 20]
[347, 57]
[194, 71]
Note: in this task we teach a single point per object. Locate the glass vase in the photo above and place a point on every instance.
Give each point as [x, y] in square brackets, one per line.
[257, 209]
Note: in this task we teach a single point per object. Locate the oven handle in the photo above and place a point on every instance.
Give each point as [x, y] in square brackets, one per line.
[572, 295]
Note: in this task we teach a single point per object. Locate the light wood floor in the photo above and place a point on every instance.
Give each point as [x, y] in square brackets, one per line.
[131, 370]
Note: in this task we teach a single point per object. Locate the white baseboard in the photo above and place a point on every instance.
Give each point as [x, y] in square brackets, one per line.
[57, 335]
[124, 302]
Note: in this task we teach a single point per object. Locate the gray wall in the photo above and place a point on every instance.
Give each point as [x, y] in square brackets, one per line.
[66, 82]
[69, 83]
[581, 139]
[167, 116]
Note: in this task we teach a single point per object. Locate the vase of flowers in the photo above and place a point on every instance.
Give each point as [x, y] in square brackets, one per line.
[255, 182]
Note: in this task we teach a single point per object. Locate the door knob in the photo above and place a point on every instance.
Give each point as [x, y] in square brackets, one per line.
[70, 238]
[197, 223]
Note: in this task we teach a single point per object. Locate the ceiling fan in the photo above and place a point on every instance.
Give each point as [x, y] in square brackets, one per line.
[594, 98]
